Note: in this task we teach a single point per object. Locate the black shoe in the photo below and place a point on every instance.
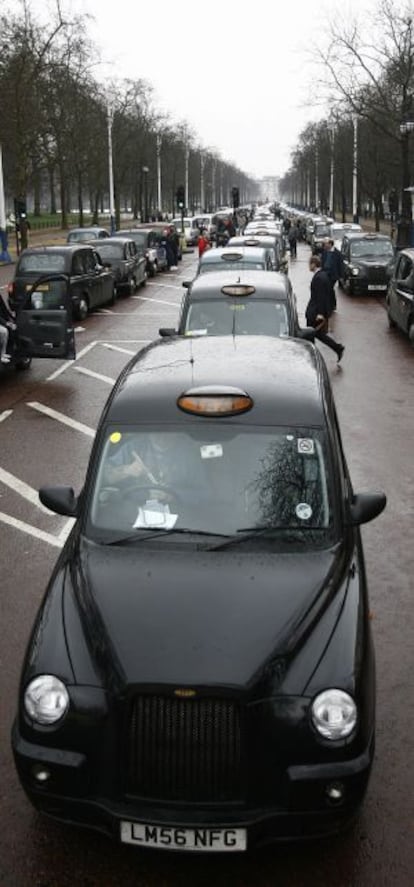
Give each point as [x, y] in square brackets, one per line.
[340, 352]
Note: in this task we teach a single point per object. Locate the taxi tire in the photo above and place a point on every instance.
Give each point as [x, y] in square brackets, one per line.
[144, 280]
[132, 286]
[411, 331]
[23, 364]
[82, 308]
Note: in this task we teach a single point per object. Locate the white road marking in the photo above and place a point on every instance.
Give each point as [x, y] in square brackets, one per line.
[32, 531]
[94, 375]
[23, 489]
[121, 350]
[5, 415]
[103, 311]
[167, 286]
[64, 533]
[60, 417]
[70, 363]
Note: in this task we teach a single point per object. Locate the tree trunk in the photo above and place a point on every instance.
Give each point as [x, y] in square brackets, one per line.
[52, 195]
[80, 200]
[63, 198]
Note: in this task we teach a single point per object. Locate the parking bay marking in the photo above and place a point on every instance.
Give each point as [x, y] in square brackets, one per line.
[23, 489]
[70, 363]
[5, 415]
[57, 541]
[159, 301]
[60, 417]
[94, 375]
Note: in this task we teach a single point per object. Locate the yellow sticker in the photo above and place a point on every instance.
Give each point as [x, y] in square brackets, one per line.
[115, 437]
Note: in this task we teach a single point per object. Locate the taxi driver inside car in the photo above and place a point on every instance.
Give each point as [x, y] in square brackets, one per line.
[153, 479]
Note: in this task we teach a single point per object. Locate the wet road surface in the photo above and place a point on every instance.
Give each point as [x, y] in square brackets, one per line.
[47, 420]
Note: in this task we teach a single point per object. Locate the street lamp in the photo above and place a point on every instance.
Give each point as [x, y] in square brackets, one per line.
[355, 172]
[405, 225]
[4, 255]
[331, 181]
[145, 170]
[159, 197]
[110, 120]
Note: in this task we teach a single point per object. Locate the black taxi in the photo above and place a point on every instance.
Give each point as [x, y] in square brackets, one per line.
[90, 284]
[400, 294]
[200, 674]
[367, 263]
[239, 303]
[257, 258]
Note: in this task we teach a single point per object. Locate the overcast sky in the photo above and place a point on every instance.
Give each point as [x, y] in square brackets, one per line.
[240, 73]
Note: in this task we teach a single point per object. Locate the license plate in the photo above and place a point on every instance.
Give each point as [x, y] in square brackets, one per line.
[377, 286]
[41, 288]
[175, 838]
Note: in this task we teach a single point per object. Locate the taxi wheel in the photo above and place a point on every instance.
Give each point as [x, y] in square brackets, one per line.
[82, 309]
[132, 286]
[411, 331]
[23, 364]
[391, 323]
[112, 300]
[144, 280]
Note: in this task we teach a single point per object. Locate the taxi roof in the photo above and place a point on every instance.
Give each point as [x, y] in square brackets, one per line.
[247, 253]
[285, 378]
[269, 284]
[365, 235]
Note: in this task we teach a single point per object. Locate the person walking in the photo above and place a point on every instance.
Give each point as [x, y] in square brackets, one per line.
[293, 238]
[203, 243]
[318, 309]
[332, 264]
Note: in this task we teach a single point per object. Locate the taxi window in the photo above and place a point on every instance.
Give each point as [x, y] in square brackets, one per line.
[43, 263]
[366, 248]
[238, 317]
[111, 251]
[217, 478]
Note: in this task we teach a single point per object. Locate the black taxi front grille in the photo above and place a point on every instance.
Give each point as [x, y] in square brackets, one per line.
[184, 749]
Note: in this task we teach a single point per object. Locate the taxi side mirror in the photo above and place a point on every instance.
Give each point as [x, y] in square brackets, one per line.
[365, 507]
[61, 500]
[166, 331]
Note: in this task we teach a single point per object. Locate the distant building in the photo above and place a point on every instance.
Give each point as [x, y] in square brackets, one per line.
[269, 188]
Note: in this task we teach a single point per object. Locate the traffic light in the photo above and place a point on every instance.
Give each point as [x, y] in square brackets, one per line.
[180, 195]
[20, 210]
[235, 193]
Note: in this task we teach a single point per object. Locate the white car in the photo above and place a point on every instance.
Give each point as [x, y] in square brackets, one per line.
[338, 229]
[191, 231]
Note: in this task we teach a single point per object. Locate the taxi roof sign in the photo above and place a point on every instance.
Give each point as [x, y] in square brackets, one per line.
[218, 401]
[238, 289]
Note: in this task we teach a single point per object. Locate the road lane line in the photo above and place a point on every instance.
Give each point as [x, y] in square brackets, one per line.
[31, 531]
[64, 533]
[94, 375]
[103, 311]
[167, 286]
[121, 350]
[60, 417]
[23, 489]
[5, 415]
[70, 363]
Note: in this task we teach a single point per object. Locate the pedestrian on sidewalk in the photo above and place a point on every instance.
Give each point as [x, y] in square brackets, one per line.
[319, 306]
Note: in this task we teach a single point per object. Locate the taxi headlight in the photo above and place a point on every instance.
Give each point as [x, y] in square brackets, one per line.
[355, 271]
[334, 714]
[46, 699]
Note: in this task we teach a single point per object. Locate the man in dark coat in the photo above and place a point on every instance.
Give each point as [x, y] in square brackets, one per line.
[332, 264]
[319, 306]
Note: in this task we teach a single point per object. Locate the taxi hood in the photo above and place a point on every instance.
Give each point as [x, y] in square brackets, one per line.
[197, 617]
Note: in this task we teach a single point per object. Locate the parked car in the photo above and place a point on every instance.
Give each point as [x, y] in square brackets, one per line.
[206, 222]
[400, 294]
[85, 235]
[367, 263]
[239, 303]
[149, 242]
[272, 242]
[226, 258]
[321, 230]
[126, 262]
[200, 673]
[337, 231]
[90, 284]
[188, 228]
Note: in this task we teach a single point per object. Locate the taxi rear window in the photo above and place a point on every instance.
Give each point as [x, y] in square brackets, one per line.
[237, 316]
[42, 263]
[222, 265]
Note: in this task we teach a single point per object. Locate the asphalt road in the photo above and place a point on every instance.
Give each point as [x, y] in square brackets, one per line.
[47, 421]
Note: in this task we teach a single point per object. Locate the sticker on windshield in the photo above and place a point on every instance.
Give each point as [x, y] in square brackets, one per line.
[115, 437]
[306, 445]
[196, 332]
[211, 451]
[303, 511]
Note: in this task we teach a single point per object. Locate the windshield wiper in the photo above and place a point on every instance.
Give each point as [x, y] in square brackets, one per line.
[245, 533]
[153, 532]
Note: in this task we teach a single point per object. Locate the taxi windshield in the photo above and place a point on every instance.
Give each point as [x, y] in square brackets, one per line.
[111, 251]
[223, 317]
[215, 478]
[371, 248]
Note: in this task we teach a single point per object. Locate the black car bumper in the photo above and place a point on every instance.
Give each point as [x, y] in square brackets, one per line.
[304, 809]
[363, 286]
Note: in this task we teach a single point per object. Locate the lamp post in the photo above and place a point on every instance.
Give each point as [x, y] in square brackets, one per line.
[159, 196]
[331, 181]
[316, 178]
[202, 195]
[355, 172]
[405, 225]
[145, 170]
[110, 120]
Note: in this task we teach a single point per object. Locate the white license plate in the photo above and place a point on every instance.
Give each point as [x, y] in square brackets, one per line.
[377, 286]
[176, 838]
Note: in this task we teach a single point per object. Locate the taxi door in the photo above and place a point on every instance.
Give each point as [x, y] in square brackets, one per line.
[44, 322]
